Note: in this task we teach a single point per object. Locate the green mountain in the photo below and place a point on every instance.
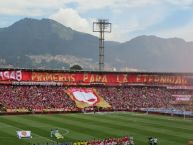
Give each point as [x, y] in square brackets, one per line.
[45, 43]
[151, 53]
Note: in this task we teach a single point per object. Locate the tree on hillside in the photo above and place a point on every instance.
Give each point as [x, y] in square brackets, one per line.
[76, 67]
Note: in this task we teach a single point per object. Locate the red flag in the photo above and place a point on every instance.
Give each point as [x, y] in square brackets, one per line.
[85, 97]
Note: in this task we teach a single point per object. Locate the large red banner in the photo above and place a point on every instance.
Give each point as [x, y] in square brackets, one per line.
[109, 78]
[15, 75]
[87, 78]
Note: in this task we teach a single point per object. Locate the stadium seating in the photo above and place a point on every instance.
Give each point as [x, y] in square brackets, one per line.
[35, 98]
[41, 98]
[134, 98]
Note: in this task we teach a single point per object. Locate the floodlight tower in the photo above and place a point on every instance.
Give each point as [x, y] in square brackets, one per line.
[101, 26]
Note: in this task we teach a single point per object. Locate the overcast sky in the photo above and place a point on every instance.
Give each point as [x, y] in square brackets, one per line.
[130, 18]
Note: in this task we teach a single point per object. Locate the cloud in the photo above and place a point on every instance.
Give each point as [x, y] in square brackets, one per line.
[71, 18]
[128, 17]
[137, 21]
[42, 7]
[181, 2]
[185, 32]
[30, 7]
[120, 31]
[86, 5]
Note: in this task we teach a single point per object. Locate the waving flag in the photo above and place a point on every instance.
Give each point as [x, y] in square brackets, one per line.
[23, 134]
[85, 97]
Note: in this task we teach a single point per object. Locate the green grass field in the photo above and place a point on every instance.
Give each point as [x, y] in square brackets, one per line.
[168, 130]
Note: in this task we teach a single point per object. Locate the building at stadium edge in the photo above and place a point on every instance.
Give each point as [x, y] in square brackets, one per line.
[36, 91]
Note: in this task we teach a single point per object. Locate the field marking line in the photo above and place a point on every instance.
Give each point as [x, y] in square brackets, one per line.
[39, 136]
[10, 126]
[5, 137]
[60, 128]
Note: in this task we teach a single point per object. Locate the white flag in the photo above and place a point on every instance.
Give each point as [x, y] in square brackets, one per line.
[23, 134]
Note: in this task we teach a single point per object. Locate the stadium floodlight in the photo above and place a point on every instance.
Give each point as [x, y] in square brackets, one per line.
[101, 26]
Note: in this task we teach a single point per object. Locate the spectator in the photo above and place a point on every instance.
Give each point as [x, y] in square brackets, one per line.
[121, 98]
[190, 142]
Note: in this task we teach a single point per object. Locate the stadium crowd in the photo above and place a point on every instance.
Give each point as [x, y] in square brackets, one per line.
[125, 140]
[35, 97]
[54, 97]
[111, 141]
[134, 98]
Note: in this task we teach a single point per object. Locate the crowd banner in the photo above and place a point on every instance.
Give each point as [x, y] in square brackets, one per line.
[86, 97]
[46, 77]
[108, 78]
[15, 75]
[182, 97]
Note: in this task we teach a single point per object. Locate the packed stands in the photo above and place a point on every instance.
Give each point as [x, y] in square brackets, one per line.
[44, 91]
[111, 141]
[36, 98]
[134, 98]
[125, 140]
[54, 98]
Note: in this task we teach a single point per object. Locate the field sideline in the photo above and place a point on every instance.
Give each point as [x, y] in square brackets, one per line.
[169, 131]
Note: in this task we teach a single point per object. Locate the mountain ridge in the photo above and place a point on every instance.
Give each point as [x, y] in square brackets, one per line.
[32, 37]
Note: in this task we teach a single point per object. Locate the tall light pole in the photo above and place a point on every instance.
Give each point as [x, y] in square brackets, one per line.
[101, 26]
